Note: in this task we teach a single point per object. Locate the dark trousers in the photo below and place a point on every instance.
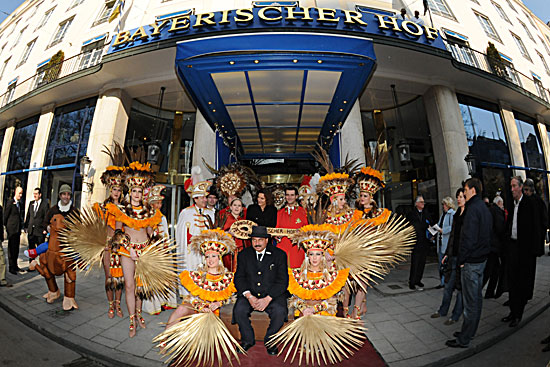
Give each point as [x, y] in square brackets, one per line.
[241, 314]
[472, 285]
[448, 294]
[34, 241]
[13, 250]
[522, 267]
[418, 261]
[491, 274]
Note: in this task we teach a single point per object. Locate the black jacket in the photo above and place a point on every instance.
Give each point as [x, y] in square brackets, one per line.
[13, 220]
[528, 225]
[475, 236]
[263, 278]
[1, 224]
[267, 218]
[499, 228]
[34, 222]
[420, 221]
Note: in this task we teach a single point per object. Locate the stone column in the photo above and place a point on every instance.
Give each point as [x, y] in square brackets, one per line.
[39, 149]
[351, 136]
[543, 133]
[204, 145]
[449, 142]
[5, 154]
[109, 124]
[512, 135]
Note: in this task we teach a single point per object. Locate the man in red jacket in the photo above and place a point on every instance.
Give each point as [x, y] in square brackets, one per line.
[291, 215]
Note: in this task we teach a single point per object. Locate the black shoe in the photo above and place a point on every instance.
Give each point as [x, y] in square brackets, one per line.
[489, 295]
[246, 346]
[507, 318]
[420, 284]
[515, 322]
[546, 349]
[273, 351]
[14, 272]
[507, 303]
[440, 286]
[456, 334]
[412, 287]
[545, 340]
[454, 344]
[7, 285]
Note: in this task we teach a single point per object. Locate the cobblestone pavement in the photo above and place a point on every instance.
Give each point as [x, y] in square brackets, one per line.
[398, 319]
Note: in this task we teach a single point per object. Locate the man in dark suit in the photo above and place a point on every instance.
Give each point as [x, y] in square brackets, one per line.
[525, 243]
[34, 222]
[420, 219]
[261, 280]
[14, 223]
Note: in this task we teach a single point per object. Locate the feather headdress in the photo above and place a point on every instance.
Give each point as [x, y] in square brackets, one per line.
[113, 176]
[234, 179]
[213, 240]
[370, 178]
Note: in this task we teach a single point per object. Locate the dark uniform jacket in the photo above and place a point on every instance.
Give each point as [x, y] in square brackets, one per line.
[13, 220]
[420, 221]
[528, 225]
[268, 277]
[475, 236]
[34, 222]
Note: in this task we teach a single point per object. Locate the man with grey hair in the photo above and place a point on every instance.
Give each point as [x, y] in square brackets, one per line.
[420, 219]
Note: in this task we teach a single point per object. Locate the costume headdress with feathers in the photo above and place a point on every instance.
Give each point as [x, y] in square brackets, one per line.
[138, 175]
[234, 179]
[335, 181]
[113, 176]
[370, 179]
[213, 240]
[196, 185]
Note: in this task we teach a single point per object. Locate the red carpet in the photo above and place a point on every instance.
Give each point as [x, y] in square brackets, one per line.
[367, 356]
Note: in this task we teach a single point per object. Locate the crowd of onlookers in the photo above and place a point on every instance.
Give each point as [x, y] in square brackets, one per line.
[481, 243]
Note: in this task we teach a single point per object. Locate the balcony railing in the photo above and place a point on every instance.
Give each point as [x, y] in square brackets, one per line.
[502, 69]
[54, 72]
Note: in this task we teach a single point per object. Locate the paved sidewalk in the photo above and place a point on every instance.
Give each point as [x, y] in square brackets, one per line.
[398, 320]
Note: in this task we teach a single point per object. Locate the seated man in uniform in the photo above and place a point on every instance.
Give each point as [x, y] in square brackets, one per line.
[261, 280]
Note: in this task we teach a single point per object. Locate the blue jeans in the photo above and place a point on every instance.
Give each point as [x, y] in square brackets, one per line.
[472, 284]
[440, 256]
[448, 294]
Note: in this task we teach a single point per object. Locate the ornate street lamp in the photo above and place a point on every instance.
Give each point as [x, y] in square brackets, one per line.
[471, 162]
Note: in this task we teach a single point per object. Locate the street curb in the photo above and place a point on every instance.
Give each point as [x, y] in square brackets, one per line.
[468, 352]
[102, 355]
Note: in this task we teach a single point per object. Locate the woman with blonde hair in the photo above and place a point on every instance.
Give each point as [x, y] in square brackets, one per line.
[442, 239]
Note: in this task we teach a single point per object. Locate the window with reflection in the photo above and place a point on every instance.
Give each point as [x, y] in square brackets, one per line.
[22, 143]
[68, 139]
[533, 155]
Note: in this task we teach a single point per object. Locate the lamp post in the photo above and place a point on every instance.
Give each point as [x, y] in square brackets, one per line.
[471, 162]
[85, 165]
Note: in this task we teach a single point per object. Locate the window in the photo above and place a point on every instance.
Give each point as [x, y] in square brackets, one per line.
[75, 3]
[530, 20]
[530, 144]
[35, 9]
[511, 73]
[458, 45]
[18, 37]
[8, 96]
[484, 130]
[105, 12]
[545, 45]
[501, 12]
[22, 143]
[13, 29]
[540, 88]
[61, 31]
[544, 63]
[91, 54]
[511, 6]
[487, 26]
[26, 52]
[45, 18]
[4, 66]
[68, 139]
[521, 47]
[440, 7]
[526, 30]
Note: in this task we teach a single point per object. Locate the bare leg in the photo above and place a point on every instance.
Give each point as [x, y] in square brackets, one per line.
[181, 311]
[108, 290]
[345, 302]
[118, 297]
[358, 308]
[140, 319]
[128, 269]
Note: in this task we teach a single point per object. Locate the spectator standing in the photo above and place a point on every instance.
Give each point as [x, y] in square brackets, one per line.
[291, 215]
[492, 270]
[403, 14]
[263, 212]
[3, 282]
[416, 18]
[475, 245]
[13, 220]
[211, 201]
[420, 220]
[452, 273]
[445, 225]
[225, 221]
[525, 244]
[34, 221]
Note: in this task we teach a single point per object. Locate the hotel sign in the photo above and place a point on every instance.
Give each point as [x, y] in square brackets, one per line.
[276, 18]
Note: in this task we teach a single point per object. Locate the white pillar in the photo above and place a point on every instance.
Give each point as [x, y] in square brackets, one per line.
[5, 154]
[39, 149]
[204, 145]
[512, 135]
[352, 143]
[449, 142]
[109, 124]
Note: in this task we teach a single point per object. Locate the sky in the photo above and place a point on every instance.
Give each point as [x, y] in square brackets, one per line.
[541, 8]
